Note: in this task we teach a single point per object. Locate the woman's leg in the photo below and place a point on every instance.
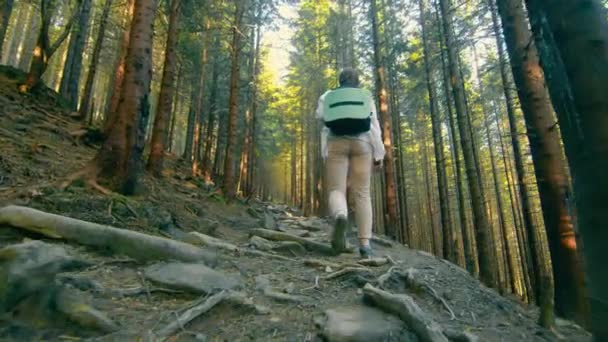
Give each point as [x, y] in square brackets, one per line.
[336, 168]
[360, 179]
[337, 174]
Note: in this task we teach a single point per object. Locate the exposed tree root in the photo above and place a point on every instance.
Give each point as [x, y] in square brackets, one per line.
[307, 243]
[89, 176]
[284, 297]
[406, 308]
[374, 262]
[136, 245]
[348, 270]
[199, 308]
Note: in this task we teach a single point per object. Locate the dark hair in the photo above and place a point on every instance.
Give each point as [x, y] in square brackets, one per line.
[349, 78]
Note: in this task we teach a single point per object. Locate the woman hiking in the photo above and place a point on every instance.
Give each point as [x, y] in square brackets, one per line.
[351, 145]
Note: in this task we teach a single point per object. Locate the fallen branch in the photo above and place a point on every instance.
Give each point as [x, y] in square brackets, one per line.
[347, 270]
[120, 241]
[406, 308]
[190, 314]
[308, 244]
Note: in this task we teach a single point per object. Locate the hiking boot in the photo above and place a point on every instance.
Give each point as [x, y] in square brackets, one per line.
[338, 239]
[366, 252]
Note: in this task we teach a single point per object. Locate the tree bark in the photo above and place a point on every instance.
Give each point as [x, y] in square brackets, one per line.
[44, 49]
[70, 83]
[85, 105]
[482, 227]
[385, 119]
[209, 136]
[17, 35]
[119, 73]
[549, 167]
[5, 15]
[119, 160]
[470, 261]
[229, 185]
[580, 32]
[165, 98]
[199, 128]
[446, 224]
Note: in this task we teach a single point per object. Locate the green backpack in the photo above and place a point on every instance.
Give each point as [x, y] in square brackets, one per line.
[347, 111]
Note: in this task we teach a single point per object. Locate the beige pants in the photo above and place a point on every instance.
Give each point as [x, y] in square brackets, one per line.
[349, 162]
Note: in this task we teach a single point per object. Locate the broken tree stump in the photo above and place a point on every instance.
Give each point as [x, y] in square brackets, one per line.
[121, 241]
[406, 308]
[310, 245]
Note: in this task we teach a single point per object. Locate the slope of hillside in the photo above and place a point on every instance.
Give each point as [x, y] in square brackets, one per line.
[259, 289]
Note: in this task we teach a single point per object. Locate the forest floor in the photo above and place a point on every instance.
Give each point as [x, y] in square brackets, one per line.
[272, 291]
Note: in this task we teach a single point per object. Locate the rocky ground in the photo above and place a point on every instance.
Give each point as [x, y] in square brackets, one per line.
[188, 266]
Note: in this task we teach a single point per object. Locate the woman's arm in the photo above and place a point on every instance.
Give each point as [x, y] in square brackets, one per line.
[377, 143]
[324, 130]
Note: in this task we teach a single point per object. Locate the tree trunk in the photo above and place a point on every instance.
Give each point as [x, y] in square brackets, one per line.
[199, 128]
[516, 222]
[209, 136]
[119, 160]
[580, 32]
[44, 49]
[385, 119]
[482, 227]
[190, 132]
[446, 224]
[5, 15]
[27, 44]
[229, 185]
[119, 73]
[549, 166]
[17, 35]
[527, 222]
[175, 110]
[165, 98]
[249, 190]
[70, 83]
[470, 261]
[85, 105]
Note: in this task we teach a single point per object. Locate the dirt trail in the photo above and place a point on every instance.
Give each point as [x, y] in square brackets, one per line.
[263, 290]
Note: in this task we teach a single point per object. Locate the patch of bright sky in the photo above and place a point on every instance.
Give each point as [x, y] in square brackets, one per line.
[278, 41]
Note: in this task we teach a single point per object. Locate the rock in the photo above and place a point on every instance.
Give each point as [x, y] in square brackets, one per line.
[362, 324]
[27, 268]
[80, 283]
[261, 243]
[314, 225]
[289, 288]
[297, 232]
[253, 213]
[262, 282]
[76, 310]
[269, 221]
[196, 278]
